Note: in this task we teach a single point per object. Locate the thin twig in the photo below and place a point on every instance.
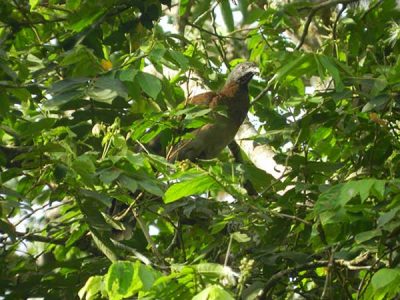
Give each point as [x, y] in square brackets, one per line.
[138, 255]
[282, 215]
[361, 289]
[212, 7]
[39, 238]
[131, 206]
[228, 251]
[214, 33]
[146, 234]
[308, 266]
[183, 19]
[220, 48]
[313, 11]
[173, 241]
[328, 277]
[55, 7]
[375, 5]
[23, 12]
[262, 93]
[27, 216]
[343, 280]
[334, 29]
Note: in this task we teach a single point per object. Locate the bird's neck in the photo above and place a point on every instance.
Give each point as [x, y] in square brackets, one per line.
[236, 98]
[233, 89]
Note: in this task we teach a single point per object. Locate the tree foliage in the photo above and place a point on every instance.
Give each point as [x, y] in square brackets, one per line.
[86, 210]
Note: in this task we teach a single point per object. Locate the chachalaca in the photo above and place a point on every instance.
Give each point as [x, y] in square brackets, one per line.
[210, 139]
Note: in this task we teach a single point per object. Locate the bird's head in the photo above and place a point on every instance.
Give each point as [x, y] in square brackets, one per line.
[242, 73]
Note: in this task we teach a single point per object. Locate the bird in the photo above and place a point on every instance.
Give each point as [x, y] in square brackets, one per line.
[209, 140]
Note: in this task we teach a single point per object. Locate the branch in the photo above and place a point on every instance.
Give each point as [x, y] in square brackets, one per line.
[313, 265]
[277, 276]
[39, 238]
[32, 212]
[262, 93]
[124, 213]
[375, 5]
[313, 11]
[334, 34]
[221, 48]
[212, 7]
[290, 217]
[183, 19]
[214, 33]
[136, 253]
[146, 233]
[8, 84]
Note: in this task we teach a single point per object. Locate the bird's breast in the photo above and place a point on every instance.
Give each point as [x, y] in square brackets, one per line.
[216, 136]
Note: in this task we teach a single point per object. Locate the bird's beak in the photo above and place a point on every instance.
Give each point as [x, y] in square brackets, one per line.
[255, 70]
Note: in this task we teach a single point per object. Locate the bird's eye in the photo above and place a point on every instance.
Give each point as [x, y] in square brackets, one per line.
[246, 77]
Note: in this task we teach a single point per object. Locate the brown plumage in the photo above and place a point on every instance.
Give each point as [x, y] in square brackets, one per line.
[210, 139]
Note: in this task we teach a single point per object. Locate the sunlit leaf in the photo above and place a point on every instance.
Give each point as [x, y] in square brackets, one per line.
[189, 187]
[150, 84]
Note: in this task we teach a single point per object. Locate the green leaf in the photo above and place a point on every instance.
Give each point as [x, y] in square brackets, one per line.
[129, 183]
[63, 98]
[385, 277]
[151, 187]
[122, 279]
[92, 288]
[241, 237]
[378, 189]
[115, 224]
[211, 269]
[128, 74]
[84, 166]
[109, 175]
[150, 84]
[377, 103]
[180, 59]
[329, 64]
[258, 177]
[106, 89]
[388, 216]
[85, 18]
[68, 85]
[147, 276]
[287, 68]
[73, 4]
[340, 194]
[183, 6]
[321, 133]
[367, 235]
[213, 292]
[81, 62]
[102, 198]
[364, 187]
[386, 282]
[8, 71]
[33, 128]
[76, 235]
[7, 227]
[189, 187]
[33, 4]
[227, 15]
[104, 244]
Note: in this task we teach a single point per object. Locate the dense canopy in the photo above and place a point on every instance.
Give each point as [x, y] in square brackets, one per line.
[304, 205]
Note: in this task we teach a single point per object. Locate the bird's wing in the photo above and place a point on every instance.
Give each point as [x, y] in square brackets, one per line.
[206, 99]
